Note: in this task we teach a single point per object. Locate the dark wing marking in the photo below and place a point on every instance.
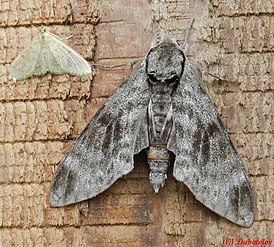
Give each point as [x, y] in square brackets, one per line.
[104, 151]
[206, 160]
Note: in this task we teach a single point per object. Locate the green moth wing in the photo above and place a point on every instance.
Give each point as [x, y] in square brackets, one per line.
[47, 53]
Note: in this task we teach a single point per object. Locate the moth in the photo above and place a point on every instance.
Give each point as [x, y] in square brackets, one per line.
[48, 53]
[162, 108]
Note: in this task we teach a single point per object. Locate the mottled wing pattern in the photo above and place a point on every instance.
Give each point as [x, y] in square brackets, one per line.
[104, 151]
[206, 160]
[48, 53]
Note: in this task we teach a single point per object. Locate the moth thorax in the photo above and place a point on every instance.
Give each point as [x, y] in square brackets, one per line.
[158, 161]
[160, 106]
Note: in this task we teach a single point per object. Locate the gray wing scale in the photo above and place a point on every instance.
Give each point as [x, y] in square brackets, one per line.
[206, 160]
[105, 149]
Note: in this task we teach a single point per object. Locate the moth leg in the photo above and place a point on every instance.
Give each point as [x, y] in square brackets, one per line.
[151, 124]
[167, 125]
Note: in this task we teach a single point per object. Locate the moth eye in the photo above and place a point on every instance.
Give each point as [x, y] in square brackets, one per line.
[172, 79]
[152, 77]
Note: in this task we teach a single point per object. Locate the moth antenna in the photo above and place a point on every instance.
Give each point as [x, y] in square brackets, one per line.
[210, 74]
[66, 38]
[187, 34]
[152, 127]
[129, 64]
[154, 40]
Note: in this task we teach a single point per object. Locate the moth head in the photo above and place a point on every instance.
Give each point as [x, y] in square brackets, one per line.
[165, 63]
[43, 32]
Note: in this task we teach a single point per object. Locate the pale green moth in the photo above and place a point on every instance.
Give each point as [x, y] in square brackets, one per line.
[48, 53]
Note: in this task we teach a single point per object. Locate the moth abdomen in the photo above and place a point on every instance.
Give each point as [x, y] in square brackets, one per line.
[159, 124]
[158, 160]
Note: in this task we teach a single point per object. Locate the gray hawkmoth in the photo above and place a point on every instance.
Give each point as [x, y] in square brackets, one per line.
[162, 108]
[47, 53]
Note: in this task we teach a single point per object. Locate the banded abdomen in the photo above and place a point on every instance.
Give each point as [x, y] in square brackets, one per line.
[159, 124]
